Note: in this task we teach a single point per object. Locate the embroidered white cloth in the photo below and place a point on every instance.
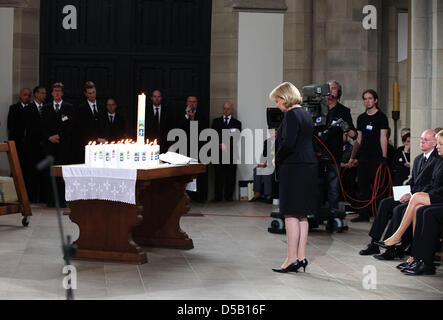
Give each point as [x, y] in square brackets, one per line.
[84, 183]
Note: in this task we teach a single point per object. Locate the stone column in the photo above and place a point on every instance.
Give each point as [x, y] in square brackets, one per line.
[344, 50]
[426, 82]
[297, 55]
[6, 52]
[26, 47]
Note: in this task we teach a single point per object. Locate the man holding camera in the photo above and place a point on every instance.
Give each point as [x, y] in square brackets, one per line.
[339, 123]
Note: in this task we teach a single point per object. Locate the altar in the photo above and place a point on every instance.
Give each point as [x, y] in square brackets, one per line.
[114, 231]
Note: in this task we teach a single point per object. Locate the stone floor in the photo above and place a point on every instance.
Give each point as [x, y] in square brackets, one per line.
[232, 259]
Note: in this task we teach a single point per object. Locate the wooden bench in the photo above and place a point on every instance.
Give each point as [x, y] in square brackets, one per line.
[22, 206]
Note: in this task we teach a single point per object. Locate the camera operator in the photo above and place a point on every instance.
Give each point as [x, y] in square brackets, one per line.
[334, 141]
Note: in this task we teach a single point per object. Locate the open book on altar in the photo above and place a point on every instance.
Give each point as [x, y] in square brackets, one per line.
[176, 159]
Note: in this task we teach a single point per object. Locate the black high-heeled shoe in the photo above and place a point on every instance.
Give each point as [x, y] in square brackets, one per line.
[303, 264]
[383, 245]
[291, 268]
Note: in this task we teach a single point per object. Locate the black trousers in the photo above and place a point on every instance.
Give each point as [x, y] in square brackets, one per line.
[366, 171]
[225, 176]
[384, 214]
[427, 230]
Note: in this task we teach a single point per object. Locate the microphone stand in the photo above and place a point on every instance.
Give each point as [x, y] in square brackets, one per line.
[69, 250]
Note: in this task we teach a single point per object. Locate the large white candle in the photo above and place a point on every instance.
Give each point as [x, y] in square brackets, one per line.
[141, 122]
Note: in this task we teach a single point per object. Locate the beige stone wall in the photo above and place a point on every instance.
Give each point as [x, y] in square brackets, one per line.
[297, 56]
[26, 47]
[344, 51]
[224, 57]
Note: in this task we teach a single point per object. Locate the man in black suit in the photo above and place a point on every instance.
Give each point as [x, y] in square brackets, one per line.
[17, 128]
[34, 145]
[58, 119]
[421, 177]
[225, 172]
[424, 245]
[90, 121]
[192, 118]
[115, 123]
[159, 121]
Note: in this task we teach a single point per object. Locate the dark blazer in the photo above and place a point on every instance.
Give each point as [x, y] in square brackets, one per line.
[420, 180]
[153, 131]
[117, 130]
[34, 124]
[61, 123]
[435, 188]
[219, 125]
[88, 127]
[295, 138]
[17, 126]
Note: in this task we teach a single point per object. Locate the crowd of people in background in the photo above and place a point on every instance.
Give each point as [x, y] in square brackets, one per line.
[40, 128]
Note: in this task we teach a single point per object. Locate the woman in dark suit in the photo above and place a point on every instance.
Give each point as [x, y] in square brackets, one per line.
[297, 170]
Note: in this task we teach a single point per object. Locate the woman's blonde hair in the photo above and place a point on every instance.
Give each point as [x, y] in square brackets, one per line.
[439, 135]
[288, 92]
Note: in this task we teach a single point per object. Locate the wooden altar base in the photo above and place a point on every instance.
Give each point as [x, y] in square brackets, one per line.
[114, 231]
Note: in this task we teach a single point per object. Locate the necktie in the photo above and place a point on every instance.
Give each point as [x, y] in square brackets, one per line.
[95, 111]
[422, 163]
[226, 121]
[157, 118]
[57, 108]
[111, 119]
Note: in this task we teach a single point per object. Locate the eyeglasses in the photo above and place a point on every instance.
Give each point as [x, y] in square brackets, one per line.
[425, 140]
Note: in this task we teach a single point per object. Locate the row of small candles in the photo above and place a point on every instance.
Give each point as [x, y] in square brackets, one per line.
[125, 154]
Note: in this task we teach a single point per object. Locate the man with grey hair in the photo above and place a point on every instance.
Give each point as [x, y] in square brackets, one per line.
[421, 176]
[225, 173]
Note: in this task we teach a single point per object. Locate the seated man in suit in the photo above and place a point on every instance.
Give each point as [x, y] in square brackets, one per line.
[115, 123]
[90, 122]
[424, 245]
[421, 177]
[261, 179]
[225, 172]
[58, 119]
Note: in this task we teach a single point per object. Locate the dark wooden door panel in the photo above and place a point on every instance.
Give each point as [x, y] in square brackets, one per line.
[127, 47]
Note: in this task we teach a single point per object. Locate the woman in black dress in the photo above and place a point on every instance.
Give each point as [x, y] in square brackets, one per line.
[297, 170]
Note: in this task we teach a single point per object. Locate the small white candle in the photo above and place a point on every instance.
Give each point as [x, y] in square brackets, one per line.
[88, 154]
[141, 122]
[156, 152]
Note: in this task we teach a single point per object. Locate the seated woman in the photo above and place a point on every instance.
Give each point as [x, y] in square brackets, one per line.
[262, 176]
[401, 166]
[433, 194]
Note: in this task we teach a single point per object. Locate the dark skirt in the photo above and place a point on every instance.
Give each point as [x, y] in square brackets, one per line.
[436, 199]
[299, 189]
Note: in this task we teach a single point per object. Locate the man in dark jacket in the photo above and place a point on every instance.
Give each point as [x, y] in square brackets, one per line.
[89, 121]
[115, 122]
[225, 172]
[17, 127]
[58, 120]
[421, 177]
[35, 142]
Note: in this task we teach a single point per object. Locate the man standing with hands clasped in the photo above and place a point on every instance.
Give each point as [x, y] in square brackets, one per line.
[225, 173]
[370, 149]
